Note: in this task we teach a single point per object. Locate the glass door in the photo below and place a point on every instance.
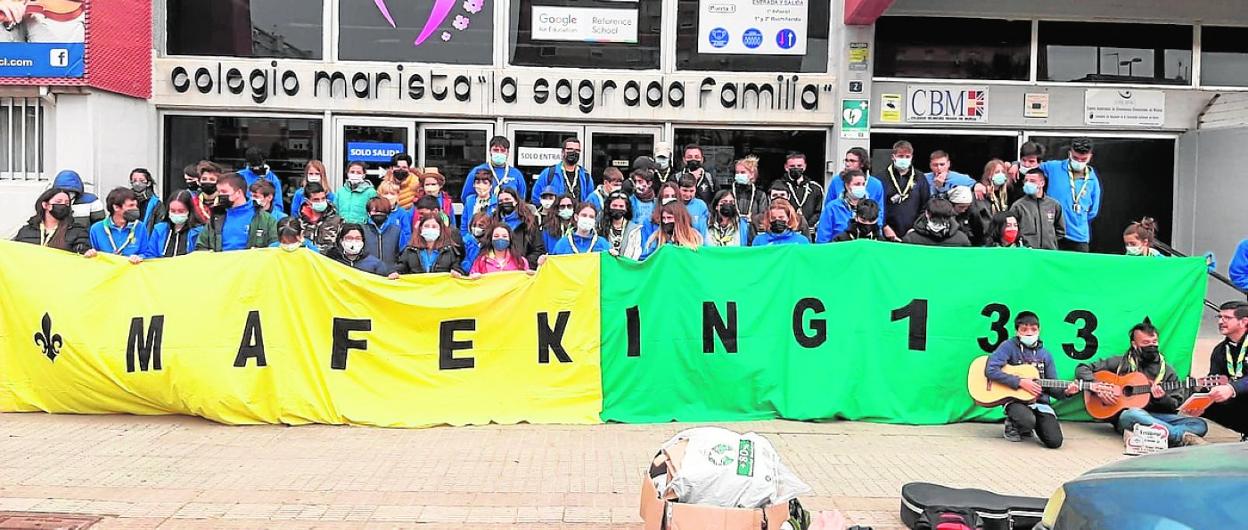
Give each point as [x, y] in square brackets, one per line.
[371, 141]
[537, 146]
[618, 147]
[453, 149]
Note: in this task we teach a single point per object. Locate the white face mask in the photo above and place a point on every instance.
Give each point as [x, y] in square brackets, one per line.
[669, 200]
[291, 247]
[743, 178]
[314, 178]
[546, 203]
[1029, 340]
[585, 224]
[355, 178]
[430, 234]
[352, 247]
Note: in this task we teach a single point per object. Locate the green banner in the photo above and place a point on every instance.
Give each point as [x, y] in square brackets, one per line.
[865, 330]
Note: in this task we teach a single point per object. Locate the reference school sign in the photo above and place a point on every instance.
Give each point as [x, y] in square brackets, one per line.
[946, 104]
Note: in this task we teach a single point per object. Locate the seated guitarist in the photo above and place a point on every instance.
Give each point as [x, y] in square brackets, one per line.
[1230, 408]
[1144, 357]
[1021, 419]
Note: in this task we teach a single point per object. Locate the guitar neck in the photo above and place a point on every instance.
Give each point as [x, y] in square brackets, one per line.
[1058, 383]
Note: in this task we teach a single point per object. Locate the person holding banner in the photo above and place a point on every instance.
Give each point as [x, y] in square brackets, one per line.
[290, 236]
[237, 223]
[433, 250]
[1230, 358]
[782, 225]
[727, 227]
[1023, 419]
[121, 233]
[502, 255]
[522, 224]
[1138, 238]
[178, 233]
[381, 234]
[866, 225]
[349, 250]
[585, 237]
[623, 235]
[675, 227]
[53, 225]
[555, 227]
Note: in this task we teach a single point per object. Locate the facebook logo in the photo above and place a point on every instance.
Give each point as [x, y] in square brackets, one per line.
[58, 58]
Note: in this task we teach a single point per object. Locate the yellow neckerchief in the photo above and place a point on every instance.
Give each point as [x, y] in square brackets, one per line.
[1087, 179]
[999, 199]
[124, 244]
[572, 243]
[725, 235]
[1235, 364]
[905, 194]
[1161, 372]
[45, 235]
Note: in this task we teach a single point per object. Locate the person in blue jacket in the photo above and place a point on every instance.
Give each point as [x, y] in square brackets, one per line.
[349, 250]
[177, 234]
[856, 159]
[782, 224]
[727, 228]
[559, 222]
[838, 216]
[314, 171]
[942, 180]
[1074, 184]
[120, 233]
[642, 200]
[263, 195]
[144, 187]
[381, 235]
[566, 177]
[87, 208]
[257, 169]
[612, 181]
[1022, 419]
[864, 225]
[502, 175]
[688, 189]
[482, 199]
[585, 237]
[290, 236]
[236, 223]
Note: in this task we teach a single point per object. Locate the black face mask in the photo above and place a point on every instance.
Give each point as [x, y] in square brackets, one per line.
[223, 203]
[778, 226]
[1149, 354]
[260, 169]
[572, 158]
[669, 229]
[728, 210]
[379, 218]
[208, 187]
[796, 173]
[693, 165]
[400, 175]
[617, 213]
[507, 208]
[60, 211]
[864, 229]
[192, 185]
[131, 215]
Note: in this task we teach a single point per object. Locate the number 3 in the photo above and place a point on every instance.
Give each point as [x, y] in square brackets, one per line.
[999, 326]
[1090, 342]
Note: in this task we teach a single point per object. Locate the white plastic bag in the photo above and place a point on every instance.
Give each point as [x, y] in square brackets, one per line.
[730, 470]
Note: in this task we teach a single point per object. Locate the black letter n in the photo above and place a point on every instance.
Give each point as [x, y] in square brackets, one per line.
[148, 351]
[713, 325]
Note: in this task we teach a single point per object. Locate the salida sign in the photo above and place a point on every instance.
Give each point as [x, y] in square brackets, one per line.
[425, 85]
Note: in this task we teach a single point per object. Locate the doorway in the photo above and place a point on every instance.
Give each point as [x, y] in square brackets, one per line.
[969, 151]
[538, 146]
[454, 149]
[371, 141]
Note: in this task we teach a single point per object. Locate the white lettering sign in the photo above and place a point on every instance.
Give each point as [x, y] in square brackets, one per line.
[753, 27]
[584, 24]
[942, 104]
[1127, 108]
[538, 156]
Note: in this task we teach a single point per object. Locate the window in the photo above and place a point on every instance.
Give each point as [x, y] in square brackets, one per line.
[289, 143]
[721, 148]
[454, 151]
[365, 34]
[289, 29]
[1115, 53]
[1223, 56]
[953, 48]
[586, 33]
[21, 139]
[687, 42]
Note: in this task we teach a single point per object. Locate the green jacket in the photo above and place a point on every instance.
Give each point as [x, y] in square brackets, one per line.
[353, 205]
[261, 233]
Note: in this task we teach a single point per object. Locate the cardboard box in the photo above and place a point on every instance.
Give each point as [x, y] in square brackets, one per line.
[681, 516]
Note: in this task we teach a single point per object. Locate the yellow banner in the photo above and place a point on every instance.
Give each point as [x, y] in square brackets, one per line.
[267, 336]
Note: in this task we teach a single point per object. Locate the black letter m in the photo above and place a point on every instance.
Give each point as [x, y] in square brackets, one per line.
[148, 351]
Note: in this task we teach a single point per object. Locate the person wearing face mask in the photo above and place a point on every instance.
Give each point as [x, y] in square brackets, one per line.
[781, 226]
[585, 237]
[482, 198]
[1029, 157]
[502, 174]
[750, 199]
[668, 193]
[258, 169]
[695, 166]
[661, 172]
[675, 228]
[727, 228]
[432, 183]
[643, 199]
[558, 223]
[349, 250]
[432, 251]
[144, 187]
[996, 182]
[407, 179]
[313, 171]
[53, 225]
[353, 196]
[1163, 407]
[866, 226]
[426, 205]
[906, 192]
[1023, 419]
[209, 174]
[779, 189]
[474, 236]
[612, 181]
[120, 233]
[236, 224]
[546, 204]
[381, 236]
[805, 194]
[973, 221]
[1230, 358]
[501, 255]
[1041, 222]
[567, 177]
[1078, 189]
[838, 216]
[399, 216]
[858, 159]
[190, 177]
[178, 233]
[524, 233]
[623, 235]
[87, 208]
[319, 218]
[1138, 238]
[1004, 232]
[938, 227]
[262, 194]
[290, 236]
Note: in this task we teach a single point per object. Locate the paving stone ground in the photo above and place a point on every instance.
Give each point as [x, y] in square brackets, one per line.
[181, 472]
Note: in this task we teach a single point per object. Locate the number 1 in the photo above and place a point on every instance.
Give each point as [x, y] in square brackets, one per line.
[916, 311]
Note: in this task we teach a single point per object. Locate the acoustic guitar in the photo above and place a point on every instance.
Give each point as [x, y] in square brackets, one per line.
[1134, 390]
[989, 393]
[59, 10]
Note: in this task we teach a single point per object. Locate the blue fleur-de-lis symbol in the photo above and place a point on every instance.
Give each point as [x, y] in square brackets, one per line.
[51, 343]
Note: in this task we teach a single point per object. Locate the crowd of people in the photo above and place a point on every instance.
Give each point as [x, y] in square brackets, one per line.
[407, 224]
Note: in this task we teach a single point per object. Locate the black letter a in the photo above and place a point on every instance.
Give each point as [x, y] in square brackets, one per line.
[253, 342]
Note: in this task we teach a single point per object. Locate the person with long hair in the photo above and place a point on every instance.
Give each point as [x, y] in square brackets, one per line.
[584, 237]
[675, 227]
[177, 234]
[1139, 236]
[617, 226]
[476, 230]
[555, 227]
[53, 225]
[349, 250]
[144, 187]
[522, 223]
[313, 171]
[751, 199]
[996, 181]
[1004, 231]
[353, 196]
[432, 250]
[502, 254]
[782, 223]
[727, 228]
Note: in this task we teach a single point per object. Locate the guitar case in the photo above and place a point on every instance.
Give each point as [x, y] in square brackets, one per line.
[996, 512]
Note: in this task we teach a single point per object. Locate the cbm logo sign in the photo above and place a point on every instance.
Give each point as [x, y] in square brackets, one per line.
[947, 104]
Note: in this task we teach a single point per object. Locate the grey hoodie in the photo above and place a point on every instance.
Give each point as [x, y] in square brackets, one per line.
[1040, 222]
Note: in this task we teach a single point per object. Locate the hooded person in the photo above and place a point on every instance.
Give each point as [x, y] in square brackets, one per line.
[257, 169]
[865, 225]
[502, 174]
[178, 233]
[53, 224]
[973, 221]
[381, 236]
[838, 216]
[348, 250]
[237, 223]
[352, 198]
[938, 227]
[782, 225]
[568, 176]
[144, 187]
[121, 233]
[87, 209]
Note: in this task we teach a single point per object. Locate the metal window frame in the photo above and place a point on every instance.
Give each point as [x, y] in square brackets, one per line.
[29, 136]
[162, 113]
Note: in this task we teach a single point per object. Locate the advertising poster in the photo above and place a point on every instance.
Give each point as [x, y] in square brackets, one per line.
[42, 38]
[752, 27]
[952, 104]
[584, 24]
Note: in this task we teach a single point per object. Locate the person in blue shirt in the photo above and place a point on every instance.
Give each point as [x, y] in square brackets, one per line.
[612, 181]
[856, 159]
[502, 175]
[556, 226]
[642, 200]
[236, 223]
[177, 234]
[675, 228]
[1075, 185]
[482, 198]
[120, 233]
[262, 193]
[1022, 419]
[566, 177]
[838, 216]
[781, 226]
[688, 188]
[942, 180]
[144, 187]
[584, 238]
[314, 171]
[381, 235]
[257, 169]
